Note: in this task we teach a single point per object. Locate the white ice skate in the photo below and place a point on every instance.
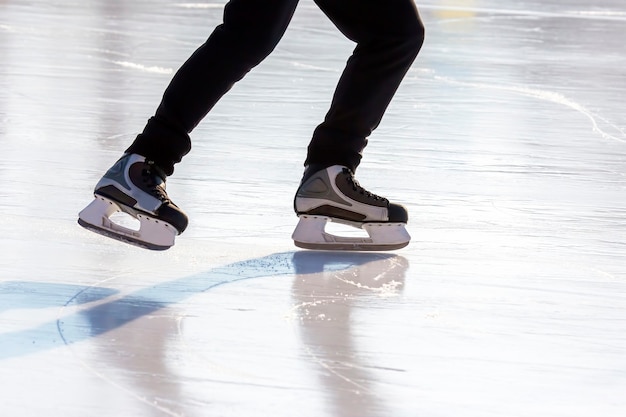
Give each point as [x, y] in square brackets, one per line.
[136, 187]
[333, 195]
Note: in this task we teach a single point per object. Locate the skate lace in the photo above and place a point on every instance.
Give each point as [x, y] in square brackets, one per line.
[359, 189]
[154, 179]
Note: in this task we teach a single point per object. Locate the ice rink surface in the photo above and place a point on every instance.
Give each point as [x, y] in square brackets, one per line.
[506, 141]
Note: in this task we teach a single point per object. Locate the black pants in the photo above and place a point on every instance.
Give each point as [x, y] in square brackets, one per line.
[388, 34]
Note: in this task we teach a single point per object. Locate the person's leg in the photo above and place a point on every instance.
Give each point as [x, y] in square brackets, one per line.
[249, 33]
[136, 183]
[389, 35]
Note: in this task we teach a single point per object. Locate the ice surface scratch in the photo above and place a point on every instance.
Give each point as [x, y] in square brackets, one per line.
[546, 96]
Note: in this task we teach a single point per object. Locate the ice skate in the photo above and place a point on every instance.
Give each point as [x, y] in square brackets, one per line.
[333, 195]
[136, 187]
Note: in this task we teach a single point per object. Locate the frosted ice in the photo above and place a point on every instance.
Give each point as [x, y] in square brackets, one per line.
[507, 142]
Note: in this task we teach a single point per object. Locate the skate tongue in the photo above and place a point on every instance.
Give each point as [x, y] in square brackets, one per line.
[154, 177]
[309, 170]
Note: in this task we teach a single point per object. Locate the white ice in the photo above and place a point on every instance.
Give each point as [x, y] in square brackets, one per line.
[507, 142]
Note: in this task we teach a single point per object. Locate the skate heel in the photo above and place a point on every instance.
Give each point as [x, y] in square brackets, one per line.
[310, 233]
[153, 233]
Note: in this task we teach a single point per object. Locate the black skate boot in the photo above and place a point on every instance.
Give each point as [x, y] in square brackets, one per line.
[137, 187]
[333, 194]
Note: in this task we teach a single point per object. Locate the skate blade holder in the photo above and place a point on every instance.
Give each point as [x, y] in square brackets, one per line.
[152, 233]
[310, 233]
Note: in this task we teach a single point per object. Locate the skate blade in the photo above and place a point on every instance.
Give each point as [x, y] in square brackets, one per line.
[310, 234]
[153, 234]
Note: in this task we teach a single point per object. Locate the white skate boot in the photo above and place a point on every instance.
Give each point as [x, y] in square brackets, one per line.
[332, 194]
[136, 187]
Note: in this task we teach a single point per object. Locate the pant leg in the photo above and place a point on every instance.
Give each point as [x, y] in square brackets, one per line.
[389, 35]
[250, 31]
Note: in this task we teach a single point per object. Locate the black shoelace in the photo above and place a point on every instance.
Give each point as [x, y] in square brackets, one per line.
[357, 187]
[154, 179]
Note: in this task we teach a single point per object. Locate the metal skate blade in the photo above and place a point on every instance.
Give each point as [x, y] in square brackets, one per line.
[310, 233]
[152, 234]
[122, 238]
[354, 247]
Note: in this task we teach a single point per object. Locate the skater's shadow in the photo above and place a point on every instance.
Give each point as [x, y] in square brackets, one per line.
[39, 295]
[91, 321]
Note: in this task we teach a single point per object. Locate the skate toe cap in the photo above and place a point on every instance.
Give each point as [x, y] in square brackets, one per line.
[398, 213]
[173, 215]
